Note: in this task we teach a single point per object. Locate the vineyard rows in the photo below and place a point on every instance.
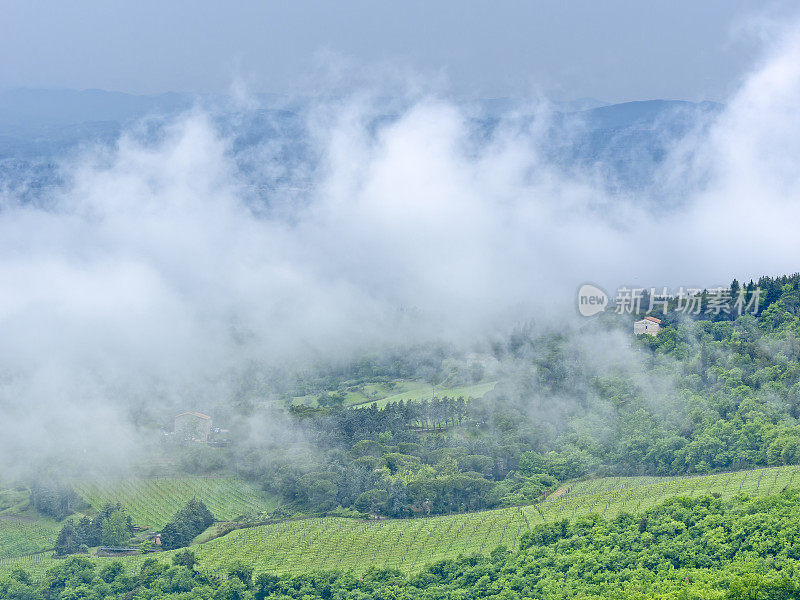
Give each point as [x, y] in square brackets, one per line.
[332, 543]
[337, 543]
[611, 495]
[18, 538]
[153, 502]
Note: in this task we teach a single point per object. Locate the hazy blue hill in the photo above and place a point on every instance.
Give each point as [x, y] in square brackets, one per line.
[490, 108]
[624, 144]
[646, 113]
[580, 104]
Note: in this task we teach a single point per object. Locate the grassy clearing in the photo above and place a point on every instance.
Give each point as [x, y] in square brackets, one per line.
[426, 392]
[336, 543]
[153, 502]
[414, 390]
[13, 500]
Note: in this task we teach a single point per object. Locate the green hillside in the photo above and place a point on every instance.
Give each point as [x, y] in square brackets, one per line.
[149, 502]
[408, 544]
[299, 546]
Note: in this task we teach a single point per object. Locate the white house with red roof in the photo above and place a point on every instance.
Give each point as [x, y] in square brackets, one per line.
[649, 325]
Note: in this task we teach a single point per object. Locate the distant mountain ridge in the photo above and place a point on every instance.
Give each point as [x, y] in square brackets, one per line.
[623, 142]
[627, 114]
[22, 110]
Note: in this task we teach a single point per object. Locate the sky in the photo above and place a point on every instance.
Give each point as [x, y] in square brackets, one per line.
[612, 50]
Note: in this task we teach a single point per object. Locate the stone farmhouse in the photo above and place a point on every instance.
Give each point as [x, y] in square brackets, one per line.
[193, 426]
[648, 325]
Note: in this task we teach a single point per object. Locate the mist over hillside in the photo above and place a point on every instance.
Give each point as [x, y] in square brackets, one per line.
[415, 301]
[626, 141]
[168, 252]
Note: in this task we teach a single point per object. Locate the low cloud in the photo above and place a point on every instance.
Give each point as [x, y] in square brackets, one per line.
[156, 278]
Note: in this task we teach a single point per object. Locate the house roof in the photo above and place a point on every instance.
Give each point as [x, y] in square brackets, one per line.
[194, 414]
[653, 319]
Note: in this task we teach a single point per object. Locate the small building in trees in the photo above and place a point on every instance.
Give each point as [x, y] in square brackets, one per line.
[648, 325]
[192, 426]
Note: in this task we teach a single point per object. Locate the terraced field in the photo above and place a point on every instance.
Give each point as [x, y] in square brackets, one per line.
[152, 502]
[334, 543]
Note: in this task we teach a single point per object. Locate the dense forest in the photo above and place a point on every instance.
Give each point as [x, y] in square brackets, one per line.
[685, 548]
[711, 392]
